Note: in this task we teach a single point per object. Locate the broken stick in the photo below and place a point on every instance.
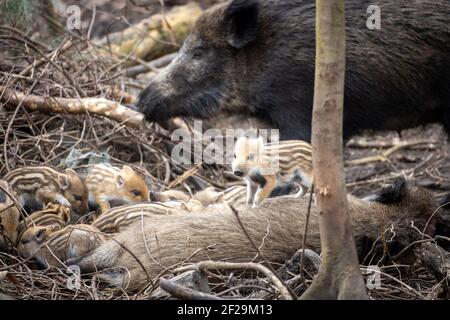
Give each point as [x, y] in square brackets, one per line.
[96, 106]
[205, 265]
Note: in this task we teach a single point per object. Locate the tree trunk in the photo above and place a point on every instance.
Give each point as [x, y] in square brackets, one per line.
[339, 275]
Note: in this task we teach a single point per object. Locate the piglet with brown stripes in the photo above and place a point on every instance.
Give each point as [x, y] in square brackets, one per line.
[38, 186]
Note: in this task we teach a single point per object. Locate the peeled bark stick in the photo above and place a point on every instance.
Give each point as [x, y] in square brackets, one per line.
[339, 275]
[153, 37]
[221, 265]
[96, 106]
[185, 293]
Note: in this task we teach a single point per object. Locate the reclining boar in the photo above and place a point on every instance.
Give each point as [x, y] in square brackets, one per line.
[163, 242]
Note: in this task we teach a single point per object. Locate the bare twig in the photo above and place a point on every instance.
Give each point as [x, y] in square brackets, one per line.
[305, 232]
[383, 156]
[183, 292]
[206, 265]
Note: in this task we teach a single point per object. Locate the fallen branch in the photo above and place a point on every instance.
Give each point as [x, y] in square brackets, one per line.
[153, 37]
[96, 106]
[185, 176]
[182, 292]
[205, 265]
[435, 259]
[385, 154]
[364, 143]
[193, 280]
[150, 66]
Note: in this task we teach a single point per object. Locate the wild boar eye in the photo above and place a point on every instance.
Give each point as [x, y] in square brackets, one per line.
[251, 156]
[77, 197]
[136, 193]
[24, 241]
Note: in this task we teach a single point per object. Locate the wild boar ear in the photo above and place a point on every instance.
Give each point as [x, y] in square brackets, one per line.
[63, 181]
[241, 22]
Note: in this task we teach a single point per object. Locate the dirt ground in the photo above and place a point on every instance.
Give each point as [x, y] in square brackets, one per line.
[425, 157]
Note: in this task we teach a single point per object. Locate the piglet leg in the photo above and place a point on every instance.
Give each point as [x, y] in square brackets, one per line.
[264, 189]
[251, 190]
[47, 195]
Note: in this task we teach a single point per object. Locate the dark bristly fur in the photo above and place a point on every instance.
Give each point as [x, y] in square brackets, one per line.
[390, 194]
[257, 57]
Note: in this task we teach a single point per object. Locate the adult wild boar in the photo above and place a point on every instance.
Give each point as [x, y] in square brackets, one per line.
[163, 242]
[257, 57]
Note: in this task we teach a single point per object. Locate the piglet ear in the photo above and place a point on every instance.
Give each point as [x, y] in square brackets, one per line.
[184, 206]
[220, 197]
[63, 182]
[40, 235]
[71, 172]
[127, 170]
[120, 181]
[241, 22]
